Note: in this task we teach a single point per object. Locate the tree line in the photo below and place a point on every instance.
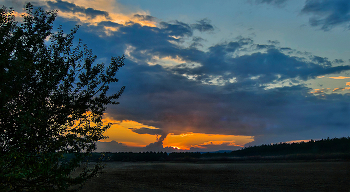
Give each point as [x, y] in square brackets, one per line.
[335, 148]
[323, 146]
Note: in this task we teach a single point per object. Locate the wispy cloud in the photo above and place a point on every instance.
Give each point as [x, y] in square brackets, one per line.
[272, 2]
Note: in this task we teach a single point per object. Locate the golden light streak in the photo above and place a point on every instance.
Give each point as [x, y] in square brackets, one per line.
[120, 131]
[317, 91]
[340, 77]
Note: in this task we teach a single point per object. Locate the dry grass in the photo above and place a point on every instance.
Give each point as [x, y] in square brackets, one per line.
[298, 176]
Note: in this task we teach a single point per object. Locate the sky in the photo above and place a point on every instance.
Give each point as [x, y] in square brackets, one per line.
[206, 75]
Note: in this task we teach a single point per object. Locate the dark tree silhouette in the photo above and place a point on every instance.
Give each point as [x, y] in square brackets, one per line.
[52, 98]
[324, 146]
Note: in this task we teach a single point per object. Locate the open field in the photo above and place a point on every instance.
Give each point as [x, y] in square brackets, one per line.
[296, 176]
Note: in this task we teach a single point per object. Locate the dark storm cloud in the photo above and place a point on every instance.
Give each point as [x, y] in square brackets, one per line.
[156, 146]
[166, 98]
[71, 7]
[177, 105]
[266, 66]
[328, 13]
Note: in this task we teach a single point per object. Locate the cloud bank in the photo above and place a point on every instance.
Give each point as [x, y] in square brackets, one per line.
[234, 87]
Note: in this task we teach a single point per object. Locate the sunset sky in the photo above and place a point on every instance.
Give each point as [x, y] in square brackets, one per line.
[205, 75]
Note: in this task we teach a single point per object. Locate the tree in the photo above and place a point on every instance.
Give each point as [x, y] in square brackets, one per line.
[52, 98]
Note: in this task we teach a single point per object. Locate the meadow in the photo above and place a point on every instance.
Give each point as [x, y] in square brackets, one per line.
[222, 176]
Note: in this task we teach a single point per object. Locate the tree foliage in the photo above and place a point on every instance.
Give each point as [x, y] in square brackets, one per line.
[52, 98]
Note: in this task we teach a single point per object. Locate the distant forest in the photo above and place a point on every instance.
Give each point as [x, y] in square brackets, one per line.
[325, 149]
[324, 146]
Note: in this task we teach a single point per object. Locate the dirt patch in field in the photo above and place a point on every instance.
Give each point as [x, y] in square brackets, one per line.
[301, 176]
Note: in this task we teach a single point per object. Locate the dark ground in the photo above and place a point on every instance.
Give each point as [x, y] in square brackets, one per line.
[292, 176]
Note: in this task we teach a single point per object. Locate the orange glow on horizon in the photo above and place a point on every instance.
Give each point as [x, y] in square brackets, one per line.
[201, 140]
[121, 132]
[298, 141]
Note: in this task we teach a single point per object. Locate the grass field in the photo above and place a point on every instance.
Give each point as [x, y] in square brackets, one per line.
[295, 176]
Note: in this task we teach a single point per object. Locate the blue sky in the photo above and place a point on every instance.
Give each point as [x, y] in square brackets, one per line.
[210, 75]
